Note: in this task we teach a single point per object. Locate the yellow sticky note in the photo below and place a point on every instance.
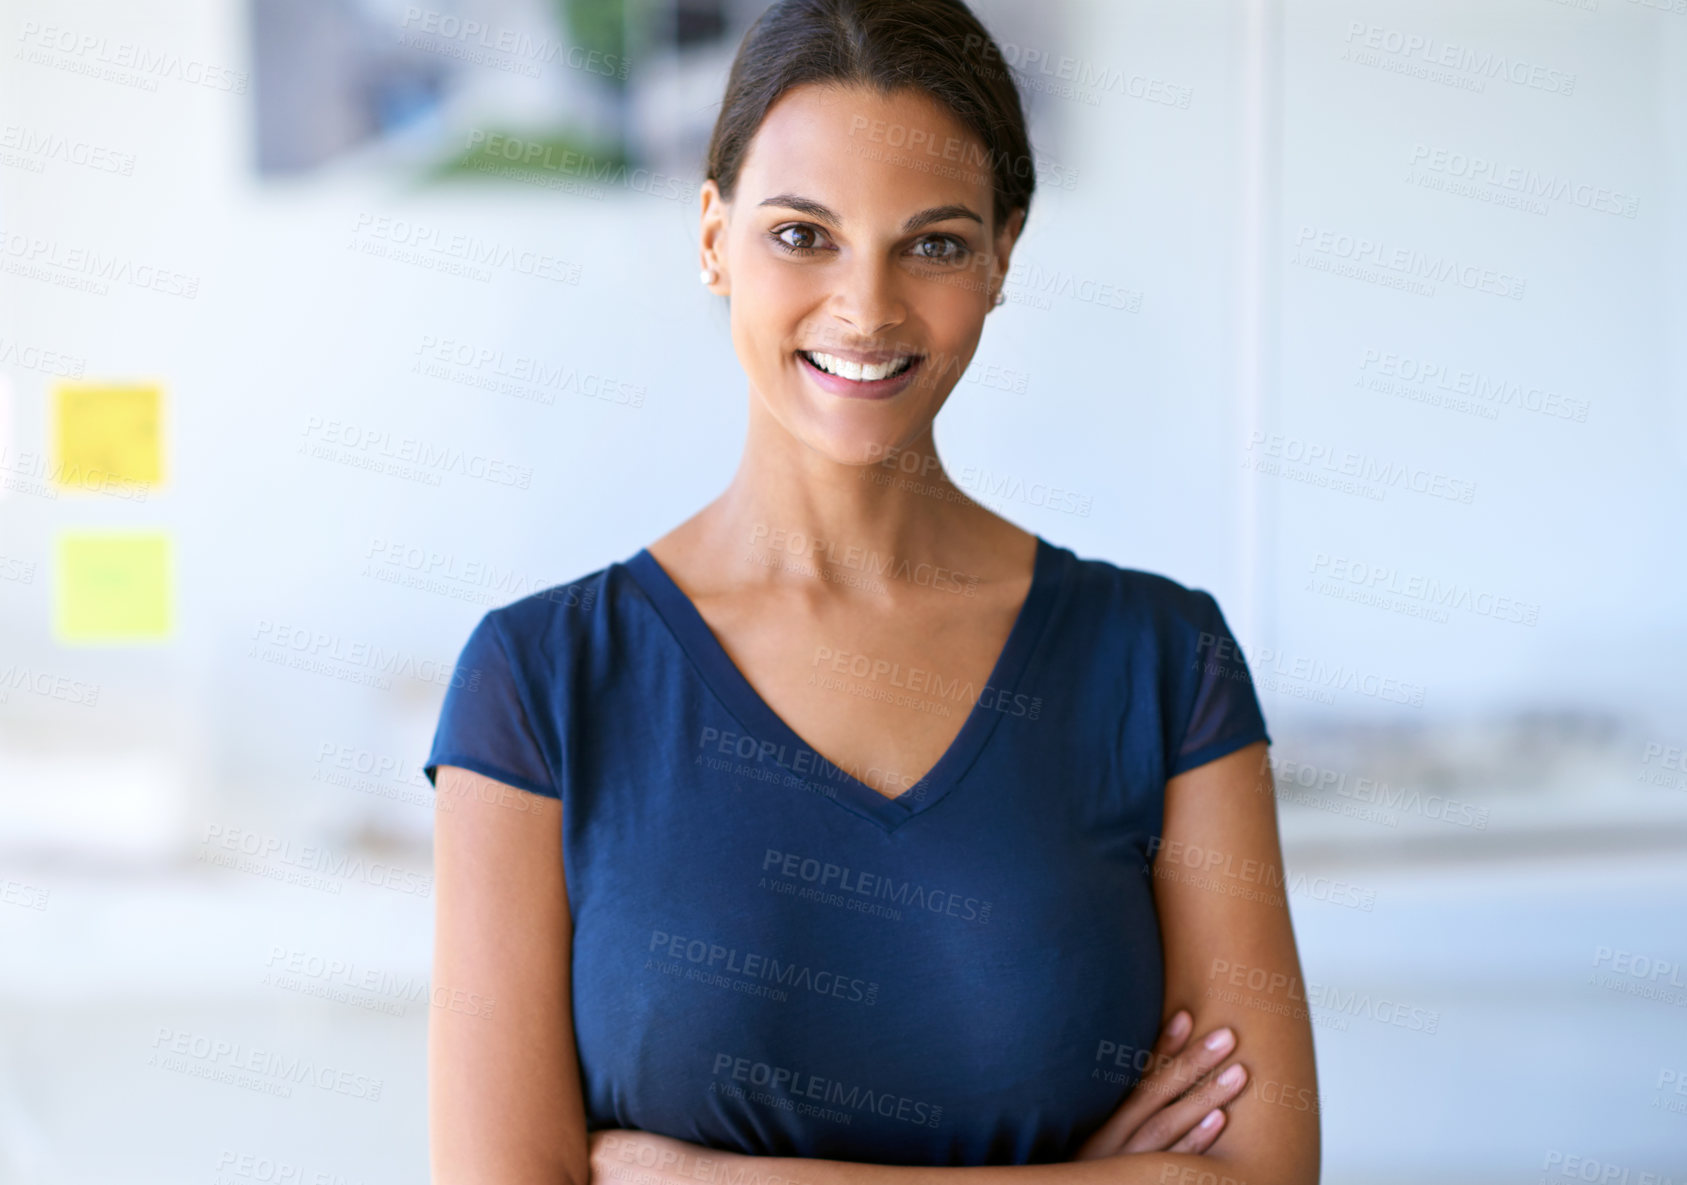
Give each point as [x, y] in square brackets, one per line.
[112, 586]
[107, 435]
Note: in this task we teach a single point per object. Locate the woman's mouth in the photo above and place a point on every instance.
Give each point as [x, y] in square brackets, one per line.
[860, 380]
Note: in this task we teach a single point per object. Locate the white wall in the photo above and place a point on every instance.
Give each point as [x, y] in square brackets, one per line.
[1146, 411]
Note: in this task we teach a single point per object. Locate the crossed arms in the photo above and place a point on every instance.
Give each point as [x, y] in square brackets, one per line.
[504, 1092]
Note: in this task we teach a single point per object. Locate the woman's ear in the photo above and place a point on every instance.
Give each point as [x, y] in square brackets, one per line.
[1006, 237]
[711, 239]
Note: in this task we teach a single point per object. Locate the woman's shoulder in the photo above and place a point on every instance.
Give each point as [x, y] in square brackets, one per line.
[1132, 595]
[560, 615]
[1175, 634]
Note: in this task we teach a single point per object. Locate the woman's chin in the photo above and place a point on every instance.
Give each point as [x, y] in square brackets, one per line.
[852, 431]
[857, 448]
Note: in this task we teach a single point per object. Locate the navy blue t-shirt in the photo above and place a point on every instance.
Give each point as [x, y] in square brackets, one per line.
[772, 957]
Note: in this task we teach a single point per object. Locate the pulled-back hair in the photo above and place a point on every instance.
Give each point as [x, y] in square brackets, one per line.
[935, 46]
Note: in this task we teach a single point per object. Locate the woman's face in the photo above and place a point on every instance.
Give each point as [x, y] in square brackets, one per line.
[842, 253]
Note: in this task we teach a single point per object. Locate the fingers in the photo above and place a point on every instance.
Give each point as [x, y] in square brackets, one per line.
[1174, 1121]
[1170, 1077]
[1201, 1137]
[1110, 1137]
[1175, 1035]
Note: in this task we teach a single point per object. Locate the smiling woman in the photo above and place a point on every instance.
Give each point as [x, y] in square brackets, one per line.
[848, 830]
[876, 291]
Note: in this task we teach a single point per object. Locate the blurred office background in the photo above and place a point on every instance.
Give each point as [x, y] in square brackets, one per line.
[326, 325]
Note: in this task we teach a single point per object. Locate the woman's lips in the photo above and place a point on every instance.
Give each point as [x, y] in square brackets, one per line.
[836, 384]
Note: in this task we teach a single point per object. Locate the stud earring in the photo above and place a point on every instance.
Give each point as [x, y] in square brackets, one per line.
[1001, 298]
[708, 275]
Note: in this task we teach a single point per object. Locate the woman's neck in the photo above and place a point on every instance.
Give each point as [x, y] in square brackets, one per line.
[897, 510]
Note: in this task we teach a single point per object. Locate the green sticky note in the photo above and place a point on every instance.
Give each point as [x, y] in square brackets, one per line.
[112, 586]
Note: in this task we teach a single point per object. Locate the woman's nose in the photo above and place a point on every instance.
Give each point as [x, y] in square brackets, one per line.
[869, 297]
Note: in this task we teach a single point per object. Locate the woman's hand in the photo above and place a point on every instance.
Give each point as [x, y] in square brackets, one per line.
[637, 1158]
[626, 1157]
[1176, 1106]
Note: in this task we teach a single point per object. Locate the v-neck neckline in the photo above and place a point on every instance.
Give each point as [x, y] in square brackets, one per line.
[747, 706]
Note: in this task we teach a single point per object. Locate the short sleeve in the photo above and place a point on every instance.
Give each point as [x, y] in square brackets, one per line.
[1216, 698]
[485, 724]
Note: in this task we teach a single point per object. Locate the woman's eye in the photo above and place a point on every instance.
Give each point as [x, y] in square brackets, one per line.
[798, 238]
[802, 239]
[940, 249]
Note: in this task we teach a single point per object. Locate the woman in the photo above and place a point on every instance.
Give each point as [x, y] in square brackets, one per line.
[849, 831]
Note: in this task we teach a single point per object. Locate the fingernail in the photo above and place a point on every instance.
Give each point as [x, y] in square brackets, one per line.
[1179, 1025]
[1211, 1120]
[1231, 1076]
[1220, 1039]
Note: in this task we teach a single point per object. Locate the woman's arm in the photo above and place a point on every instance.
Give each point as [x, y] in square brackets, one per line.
[1224, 917]
[1231, 960]
[622, 1157]
[504, 1097]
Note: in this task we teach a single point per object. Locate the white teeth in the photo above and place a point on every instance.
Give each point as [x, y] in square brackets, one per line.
[860, 372]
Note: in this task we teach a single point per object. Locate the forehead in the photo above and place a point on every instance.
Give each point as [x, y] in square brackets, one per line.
[854, 148]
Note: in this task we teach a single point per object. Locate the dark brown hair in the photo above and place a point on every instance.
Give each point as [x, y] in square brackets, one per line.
[936, 46]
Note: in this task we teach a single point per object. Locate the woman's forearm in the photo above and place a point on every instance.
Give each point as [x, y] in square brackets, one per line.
[642, 1158]
[1141, 1168]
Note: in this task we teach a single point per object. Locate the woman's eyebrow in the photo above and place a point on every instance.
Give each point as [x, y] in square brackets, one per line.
[940, 214]
[822, 213]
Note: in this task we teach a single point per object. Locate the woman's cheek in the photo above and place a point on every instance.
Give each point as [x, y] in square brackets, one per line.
[787, 290]
[778, 301]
